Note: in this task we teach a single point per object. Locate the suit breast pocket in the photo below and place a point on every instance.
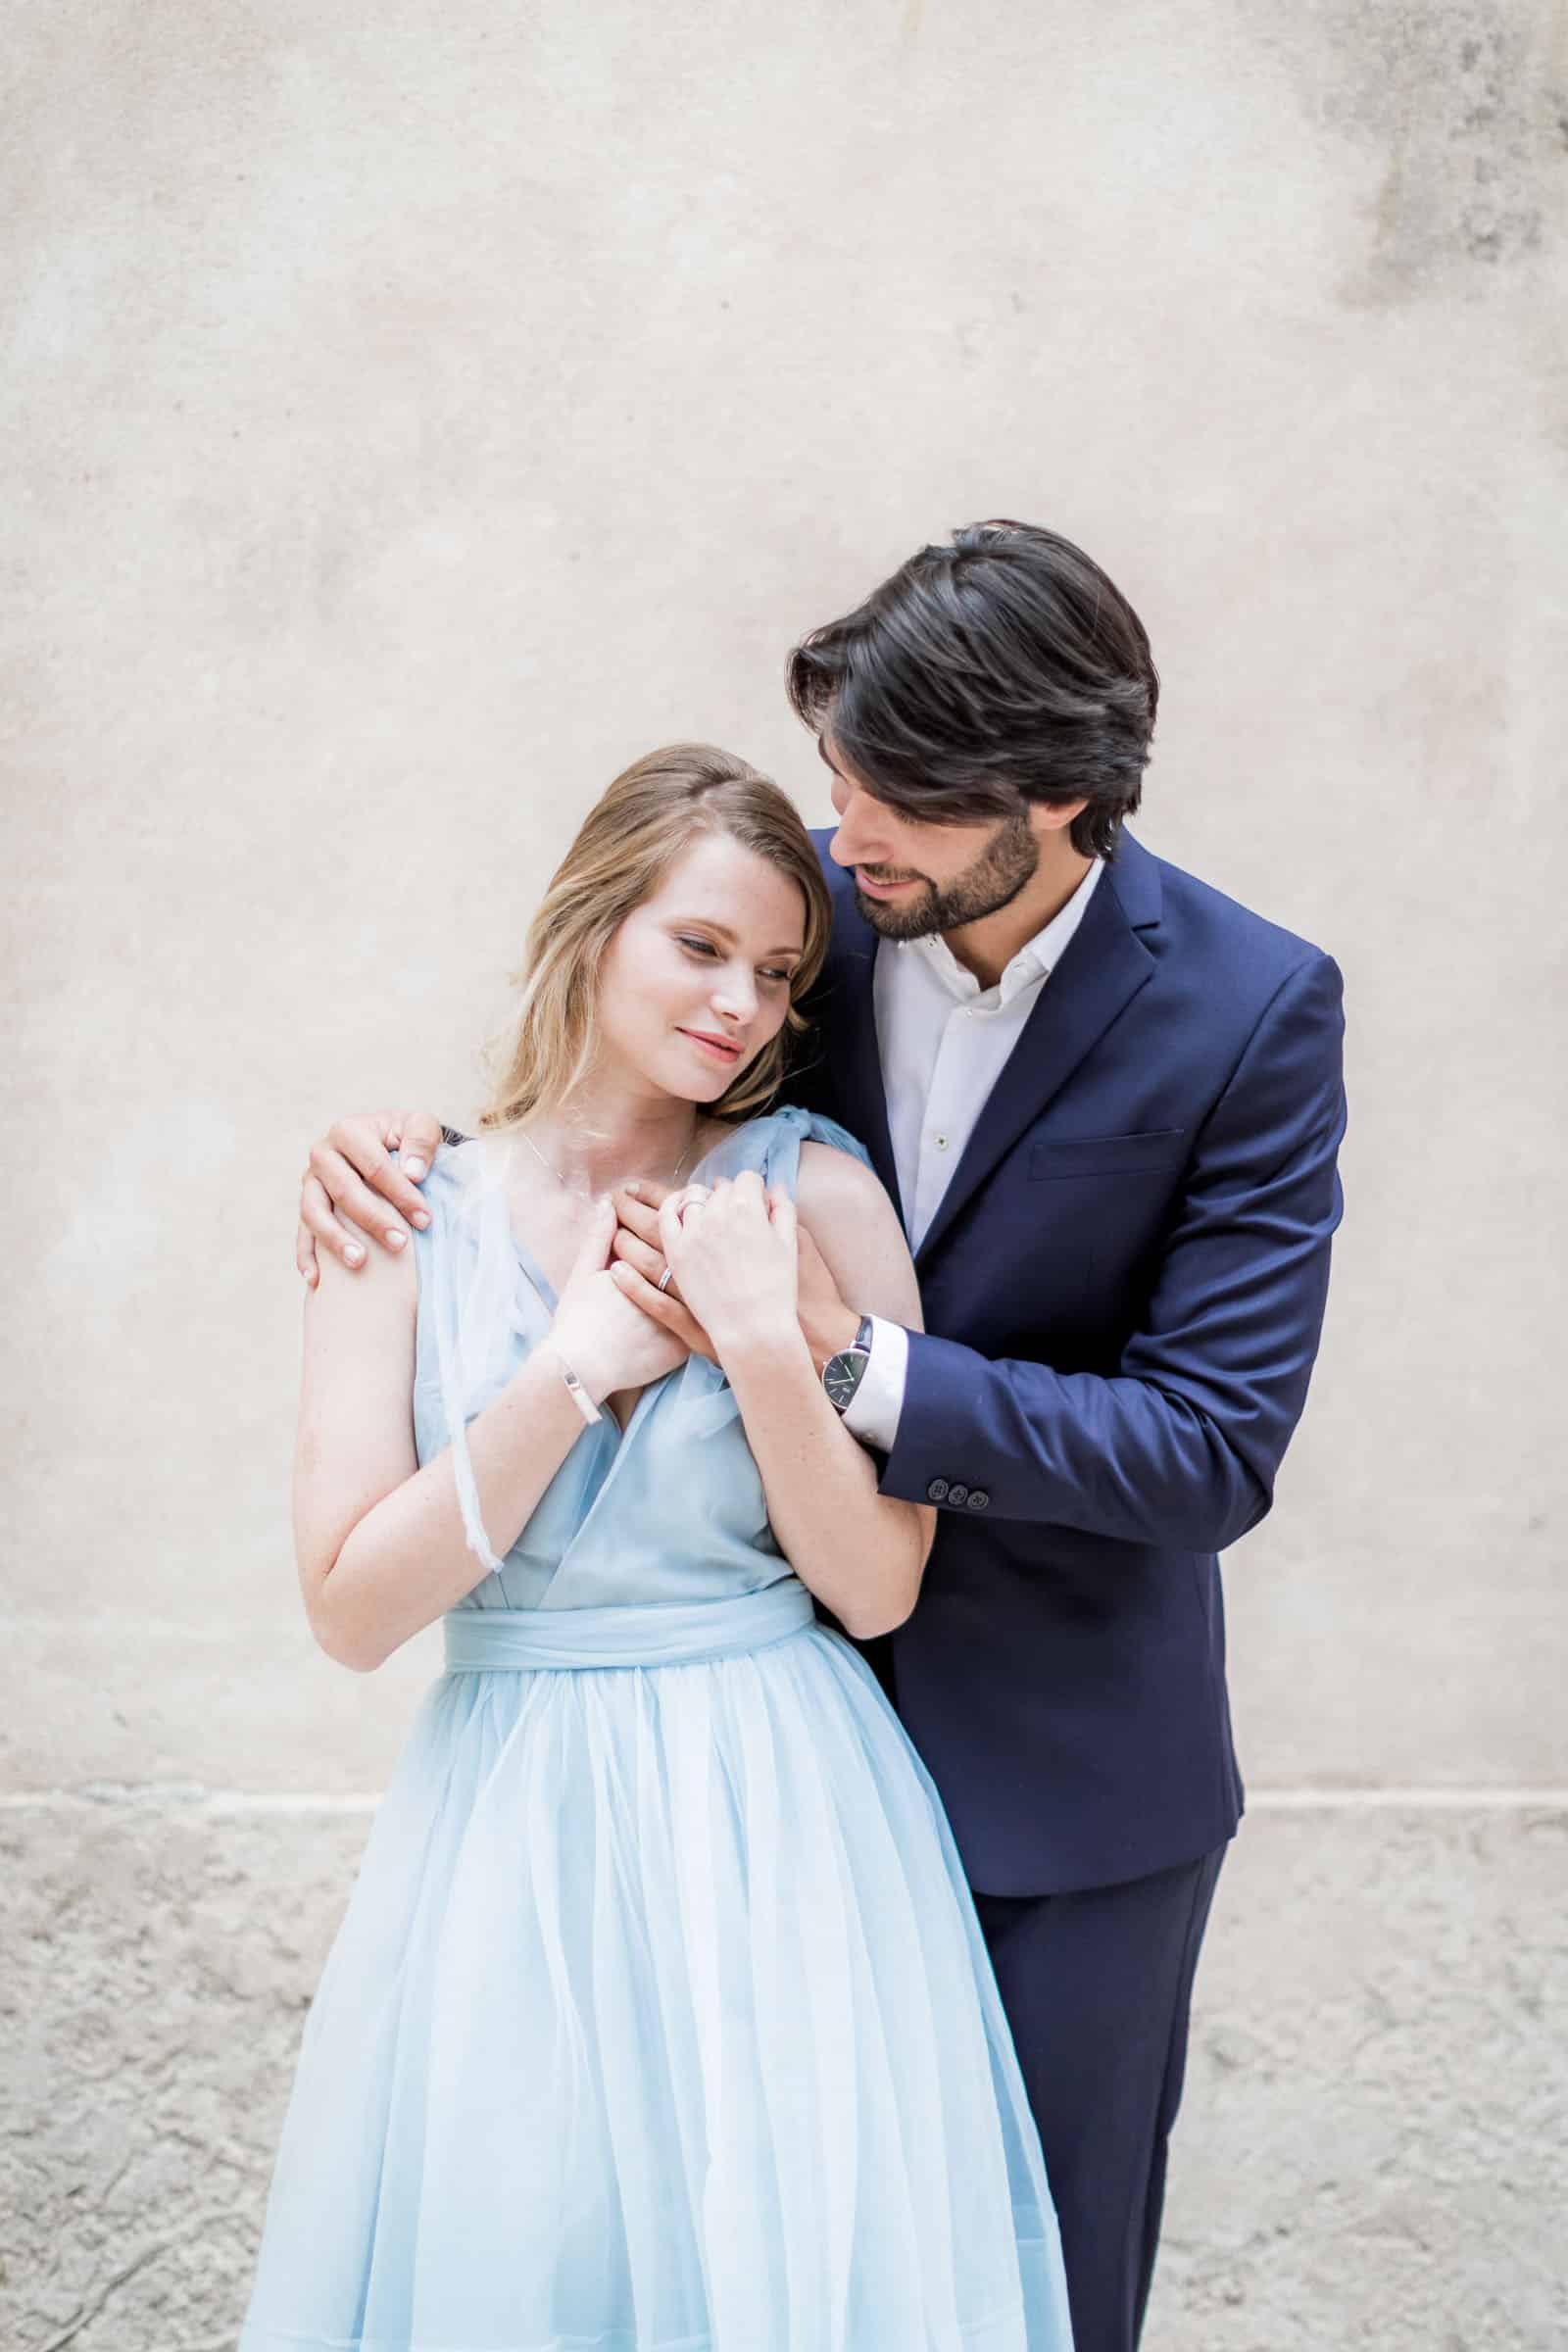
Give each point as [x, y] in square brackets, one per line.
[1159, 1151]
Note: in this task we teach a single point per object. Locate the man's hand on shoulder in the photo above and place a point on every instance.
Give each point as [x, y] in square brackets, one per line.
[351, 1173]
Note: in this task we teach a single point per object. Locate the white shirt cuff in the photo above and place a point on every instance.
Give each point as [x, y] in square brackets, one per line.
[873, 1410]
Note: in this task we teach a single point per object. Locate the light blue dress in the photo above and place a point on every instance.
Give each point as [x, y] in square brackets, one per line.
[660, 2020]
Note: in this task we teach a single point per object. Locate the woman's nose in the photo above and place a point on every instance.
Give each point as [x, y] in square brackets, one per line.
[735, 994]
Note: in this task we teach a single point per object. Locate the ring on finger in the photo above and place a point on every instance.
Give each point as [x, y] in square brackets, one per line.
[665, 1278]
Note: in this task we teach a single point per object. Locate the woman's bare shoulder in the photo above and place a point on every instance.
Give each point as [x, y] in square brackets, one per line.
[836, 1179]
[845, 1208]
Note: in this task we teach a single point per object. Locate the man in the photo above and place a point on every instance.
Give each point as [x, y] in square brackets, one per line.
[1109, 1102]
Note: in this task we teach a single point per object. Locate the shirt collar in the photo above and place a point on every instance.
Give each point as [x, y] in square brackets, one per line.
[1034, 961]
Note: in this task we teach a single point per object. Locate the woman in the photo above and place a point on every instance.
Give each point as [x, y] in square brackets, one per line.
[660, 2020]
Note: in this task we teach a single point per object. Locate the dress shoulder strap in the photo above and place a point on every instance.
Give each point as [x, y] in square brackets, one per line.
[771, 1145]
[468, 1307]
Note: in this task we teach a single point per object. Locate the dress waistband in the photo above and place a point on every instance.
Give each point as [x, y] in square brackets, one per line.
[663, 1633]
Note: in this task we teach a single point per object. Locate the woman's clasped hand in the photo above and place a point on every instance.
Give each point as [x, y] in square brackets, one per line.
[731, 1251]
[607, 1340]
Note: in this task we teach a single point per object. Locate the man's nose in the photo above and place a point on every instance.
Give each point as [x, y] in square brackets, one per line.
[858, 840]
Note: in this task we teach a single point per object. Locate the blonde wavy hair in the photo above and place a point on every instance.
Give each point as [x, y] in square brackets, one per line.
[627, 843]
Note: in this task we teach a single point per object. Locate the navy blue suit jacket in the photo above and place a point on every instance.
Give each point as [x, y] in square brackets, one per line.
[1123, 1290]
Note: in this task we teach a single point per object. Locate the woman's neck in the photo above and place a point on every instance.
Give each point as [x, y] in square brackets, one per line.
[605, 1135]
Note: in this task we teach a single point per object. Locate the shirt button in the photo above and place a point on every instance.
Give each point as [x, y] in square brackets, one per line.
[941, 1142]
[937, 1490]
[978, 1498]
[958, 1493]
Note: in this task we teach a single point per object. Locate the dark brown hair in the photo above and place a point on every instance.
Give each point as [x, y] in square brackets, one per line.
[1005, 665]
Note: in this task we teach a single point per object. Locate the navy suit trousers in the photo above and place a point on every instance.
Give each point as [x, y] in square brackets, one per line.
[1097, 1988]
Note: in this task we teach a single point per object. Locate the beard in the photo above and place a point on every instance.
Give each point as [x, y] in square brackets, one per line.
[1008, 862]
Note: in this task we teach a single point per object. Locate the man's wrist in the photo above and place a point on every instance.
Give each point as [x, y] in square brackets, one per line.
[873, 1411]
[830, 1333]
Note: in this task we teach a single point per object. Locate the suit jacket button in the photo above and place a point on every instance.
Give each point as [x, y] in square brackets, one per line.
[978, 1498]
[937, 1490]
[958, 1493]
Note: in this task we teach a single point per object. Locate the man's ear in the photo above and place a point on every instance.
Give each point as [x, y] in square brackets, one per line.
[1055, 817]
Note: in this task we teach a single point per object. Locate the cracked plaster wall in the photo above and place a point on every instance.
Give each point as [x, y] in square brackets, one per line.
[412, 414]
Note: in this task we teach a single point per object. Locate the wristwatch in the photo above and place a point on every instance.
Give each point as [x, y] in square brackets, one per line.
[844, 1372]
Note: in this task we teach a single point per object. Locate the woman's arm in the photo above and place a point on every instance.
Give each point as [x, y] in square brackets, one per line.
[861, 1553]
[380, 1542]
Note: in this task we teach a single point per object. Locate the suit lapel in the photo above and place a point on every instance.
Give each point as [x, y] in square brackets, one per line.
[1104, 966]
[844, 1005]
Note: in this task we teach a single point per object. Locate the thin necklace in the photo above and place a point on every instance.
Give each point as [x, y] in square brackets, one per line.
[577, 1189]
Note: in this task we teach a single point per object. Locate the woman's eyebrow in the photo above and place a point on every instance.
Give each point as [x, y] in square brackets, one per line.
[706, 922]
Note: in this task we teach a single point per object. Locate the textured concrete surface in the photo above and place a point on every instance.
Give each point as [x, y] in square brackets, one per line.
[409, 414]
[158, 1966]
[1374, 2145]
[1373, 2130]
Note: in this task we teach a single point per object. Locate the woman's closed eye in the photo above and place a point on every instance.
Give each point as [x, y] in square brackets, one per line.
[705, 947]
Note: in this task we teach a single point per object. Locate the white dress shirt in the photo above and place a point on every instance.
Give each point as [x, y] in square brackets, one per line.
[943, 1041]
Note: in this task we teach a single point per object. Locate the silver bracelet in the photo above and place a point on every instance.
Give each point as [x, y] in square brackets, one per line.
[576, 1390]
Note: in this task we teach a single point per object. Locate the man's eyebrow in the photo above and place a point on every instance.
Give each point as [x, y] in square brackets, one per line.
[706, 922]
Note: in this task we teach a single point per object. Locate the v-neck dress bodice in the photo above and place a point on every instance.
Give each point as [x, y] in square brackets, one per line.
[670, 1510]
[660, 2020]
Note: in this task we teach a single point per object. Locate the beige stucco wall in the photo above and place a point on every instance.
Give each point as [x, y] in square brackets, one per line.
[412, 413]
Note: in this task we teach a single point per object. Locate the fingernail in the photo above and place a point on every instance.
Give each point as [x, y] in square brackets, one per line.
[634, 1191]
[421, 1217]
[396, 1237]
[414, 1169]
[354, 1255]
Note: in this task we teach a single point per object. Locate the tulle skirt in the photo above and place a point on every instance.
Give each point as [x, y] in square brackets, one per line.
[660, 2021]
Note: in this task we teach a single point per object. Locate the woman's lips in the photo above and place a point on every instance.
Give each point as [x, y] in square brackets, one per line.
[715, 1046]
[881, 890]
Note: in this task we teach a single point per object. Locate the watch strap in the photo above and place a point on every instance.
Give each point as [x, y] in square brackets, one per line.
[840, 1361]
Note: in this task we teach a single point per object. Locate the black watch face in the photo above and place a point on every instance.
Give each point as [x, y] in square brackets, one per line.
[841, 1377]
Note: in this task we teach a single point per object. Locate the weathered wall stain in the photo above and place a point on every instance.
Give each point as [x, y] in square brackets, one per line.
[1462, 105]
